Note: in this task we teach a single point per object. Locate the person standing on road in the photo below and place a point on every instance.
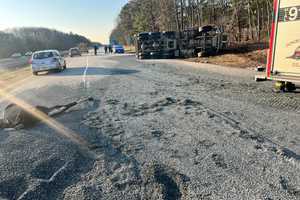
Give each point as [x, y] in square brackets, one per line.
[110, 49]
[105, 49]
[95, 50]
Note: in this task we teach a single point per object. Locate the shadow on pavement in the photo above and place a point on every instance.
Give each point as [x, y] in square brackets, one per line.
[79, 71]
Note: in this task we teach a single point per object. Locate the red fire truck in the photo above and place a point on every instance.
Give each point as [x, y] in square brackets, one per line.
[284, 55]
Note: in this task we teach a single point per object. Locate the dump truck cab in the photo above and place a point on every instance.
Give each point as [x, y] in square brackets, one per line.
[188, 43]
[153, 45]
[170, 44]
[146, 44]
[210, 39]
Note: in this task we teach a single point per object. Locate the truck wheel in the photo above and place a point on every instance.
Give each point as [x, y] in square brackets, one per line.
[290, 87]
[35, 73]
[279, 86]
[200, 54]
[60, 69]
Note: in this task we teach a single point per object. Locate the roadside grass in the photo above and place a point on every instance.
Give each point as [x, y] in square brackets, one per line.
[250, 59]
[9, 78]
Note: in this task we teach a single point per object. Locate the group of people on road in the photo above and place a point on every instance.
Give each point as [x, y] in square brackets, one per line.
[108, 49]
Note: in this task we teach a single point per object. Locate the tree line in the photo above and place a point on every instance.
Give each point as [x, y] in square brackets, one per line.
[21, 40]
[243, 20]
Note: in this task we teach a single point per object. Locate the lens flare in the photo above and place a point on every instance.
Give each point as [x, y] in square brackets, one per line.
[52, 123]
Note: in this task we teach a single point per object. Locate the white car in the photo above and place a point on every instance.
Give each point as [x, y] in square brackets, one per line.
[47, 60]
[74, 52]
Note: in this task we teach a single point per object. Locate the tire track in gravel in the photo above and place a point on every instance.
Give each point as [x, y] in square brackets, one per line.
[162, 182]
[261, 141]
[244, 133]
[248, 134]
[154, 179]
[164, 186]
[217, 84]
[250, 91]
[255, 93]
[119, 172]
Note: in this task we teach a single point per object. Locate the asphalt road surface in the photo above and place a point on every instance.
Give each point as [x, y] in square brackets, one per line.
[162, 129]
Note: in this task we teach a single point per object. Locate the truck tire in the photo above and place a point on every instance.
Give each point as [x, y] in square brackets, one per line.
[279, 86]
[290, 87]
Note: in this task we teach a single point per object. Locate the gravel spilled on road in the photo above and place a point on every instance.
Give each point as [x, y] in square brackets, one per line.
[165, 132]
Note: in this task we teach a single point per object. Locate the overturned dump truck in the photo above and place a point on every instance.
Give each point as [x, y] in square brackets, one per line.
[192, 42]
[284, 55]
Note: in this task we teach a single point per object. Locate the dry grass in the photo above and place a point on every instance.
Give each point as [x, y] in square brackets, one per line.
[129, 49]
[242, 60]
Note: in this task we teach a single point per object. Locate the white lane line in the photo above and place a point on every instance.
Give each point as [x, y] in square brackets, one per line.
[85, 71]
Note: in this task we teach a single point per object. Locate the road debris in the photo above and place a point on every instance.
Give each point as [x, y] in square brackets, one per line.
[16, 117]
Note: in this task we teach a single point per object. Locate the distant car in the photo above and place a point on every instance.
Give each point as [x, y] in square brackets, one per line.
[29, 53]
[83, 48]
[118, 49]
[74, 52]
[47, 60]
[16, 55]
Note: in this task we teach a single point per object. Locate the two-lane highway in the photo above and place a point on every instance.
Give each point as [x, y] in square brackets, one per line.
[79, 73]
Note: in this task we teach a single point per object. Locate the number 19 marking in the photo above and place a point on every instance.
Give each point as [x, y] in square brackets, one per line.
[293, 14]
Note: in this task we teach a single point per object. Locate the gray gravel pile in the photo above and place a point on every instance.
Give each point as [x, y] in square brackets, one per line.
[203, 143]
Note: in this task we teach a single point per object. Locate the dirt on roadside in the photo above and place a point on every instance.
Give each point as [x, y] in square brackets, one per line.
[130, 49]
[250, 59]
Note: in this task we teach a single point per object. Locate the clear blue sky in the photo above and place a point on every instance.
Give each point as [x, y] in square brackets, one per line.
[92, 18]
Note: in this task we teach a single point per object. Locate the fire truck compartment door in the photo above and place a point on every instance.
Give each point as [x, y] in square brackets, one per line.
[286, 59]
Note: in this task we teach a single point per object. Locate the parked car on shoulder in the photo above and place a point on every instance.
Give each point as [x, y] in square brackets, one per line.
[118, 49]
[47, 60]
[74, 52]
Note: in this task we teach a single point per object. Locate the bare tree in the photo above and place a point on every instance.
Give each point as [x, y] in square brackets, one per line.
[244, 20]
